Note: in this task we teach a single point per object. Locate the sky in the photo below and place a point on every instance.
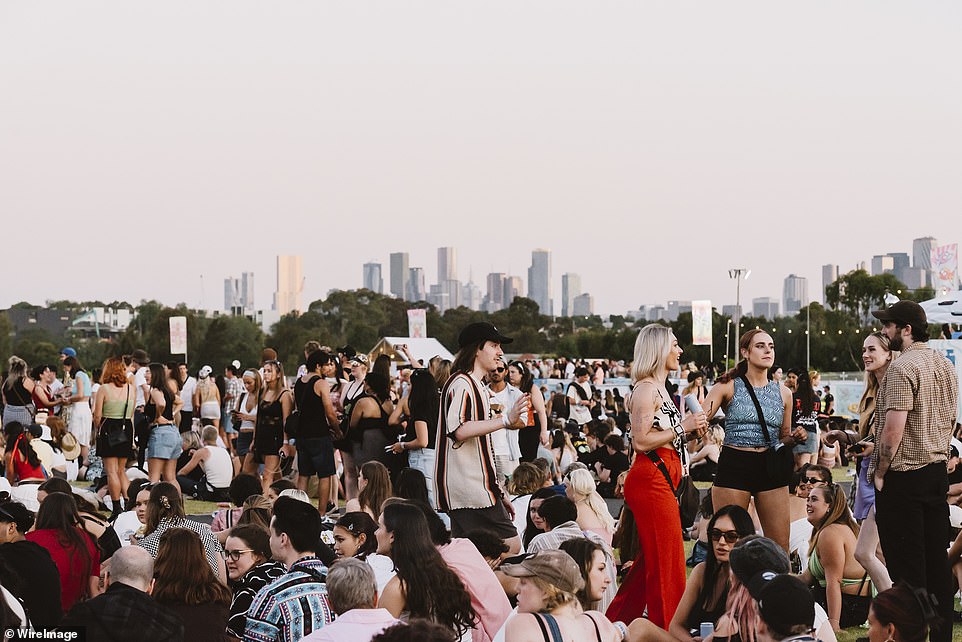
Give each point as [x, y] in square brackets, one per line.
[149, 150]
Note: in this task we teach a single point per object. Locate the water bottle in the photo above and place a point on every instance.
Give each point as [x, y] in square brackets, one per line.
[691, 404]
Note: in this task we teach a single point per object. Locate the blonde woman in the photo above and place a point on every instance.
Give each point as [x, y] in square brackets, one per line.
[275, 406]
[593, 512]
[656, 580]
[244, 415]
[206, 400]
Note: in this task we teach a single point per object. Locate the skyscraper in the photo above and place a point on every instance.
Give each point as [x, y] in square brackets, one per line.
[829, 276]
[416, 290]
[513, 287]
[765, 307]
[239, 294]
[570, 288]
[372, 278]
[399, 274]
[922, 256]
[494, 299]
[795, 293]
[539, 281]
[447, 264]
[290, 284]
[471, 296]
[583, 305]
[882, 264]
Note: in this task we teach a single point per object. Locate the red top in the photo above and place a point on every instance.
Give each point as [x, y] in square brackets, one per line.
[73, 582]
[21, 467]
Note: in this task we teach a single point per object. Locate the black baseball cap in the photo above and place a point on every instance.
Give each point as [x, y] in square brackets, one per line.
[474, 333]
[784, 602]
[903, 313]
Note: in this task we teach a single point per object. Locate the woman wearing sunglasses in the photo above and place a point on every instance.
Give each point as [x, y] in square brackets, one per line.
[250, 568]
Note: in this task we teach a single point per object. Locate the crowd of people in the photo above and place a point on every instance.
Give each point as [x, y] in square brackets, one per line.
[460, 500]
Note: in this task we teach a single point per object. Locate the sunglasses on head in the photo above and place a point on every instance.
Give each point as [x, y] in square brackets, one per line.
[730, 536]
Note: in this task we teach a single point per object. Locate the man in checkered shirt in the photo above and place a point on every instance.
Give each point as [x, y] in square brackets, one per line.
[914, 418]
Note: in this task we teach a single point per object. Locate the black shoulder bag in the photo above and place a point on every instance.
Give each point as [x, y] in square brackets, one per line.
[116, 430]
[779, 461]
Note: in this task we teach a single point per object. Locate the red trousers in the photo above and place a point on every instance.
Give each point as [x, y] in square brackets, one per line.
[657, 578]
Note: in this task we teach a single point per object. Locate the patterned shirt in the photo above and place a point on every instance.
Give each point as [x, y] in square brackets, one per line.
[235, 388]
[922, 382]
[292, 606]
[244, 591]
[212, 548]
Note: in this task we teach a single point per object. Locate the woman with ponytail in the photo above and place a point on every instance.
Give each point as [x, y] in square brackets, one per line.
[21, 460]
[742, 466]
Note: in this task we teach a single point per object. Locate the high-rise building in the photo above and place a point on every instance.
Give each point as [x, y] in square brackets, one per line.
[513, 287]
[239, 294]
[539, 281]
[765, 307]
[583, 305]
[570, 288]
[471, 296]
[829, 276]
[372, 278]
[922, 256]
[399, 274]
[657, 313]
[416, 290]
[914, 277]
[795, 293]
[675, 308]
[732, 311]
[882, 264]
[290, 284]
[447, 264]
[494, 299]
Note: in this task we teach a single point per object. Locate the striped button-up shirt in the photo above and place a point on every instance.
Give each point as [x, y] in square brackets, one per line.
[292, 606]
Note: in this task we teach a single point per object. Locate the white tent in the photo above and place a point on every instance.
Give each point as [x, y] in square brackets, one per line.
[422, 348]
[946, 308]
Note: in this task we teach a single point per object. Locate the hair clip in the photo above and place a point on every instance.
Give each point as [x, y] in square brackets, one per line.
[927, 602]
[165, 502]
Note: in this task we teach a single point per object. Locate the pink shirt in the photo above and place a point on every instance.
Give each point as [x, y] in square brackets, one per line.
[356, 625]
[487, 597]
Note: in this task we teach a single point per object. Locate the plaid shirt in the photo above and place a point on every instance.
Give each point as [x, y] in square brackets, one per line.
[235, 388]
[922, 382]
[292, 606]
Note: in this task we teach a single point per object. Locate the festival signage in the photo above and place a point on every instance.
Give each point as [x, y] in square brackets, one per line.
[417, 324]
[945, 268]
[178, 335]
[701, 323]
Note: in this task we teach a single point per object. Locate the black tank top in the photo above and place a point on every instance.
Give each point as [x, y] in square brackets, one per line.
[270, 417]
[17, 395]
[371, 423]
[312, 422]
[150, 408]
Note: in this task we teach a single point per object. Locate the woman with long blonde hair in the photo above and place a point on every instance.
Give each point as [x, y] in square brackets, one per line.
[593, 514]
[656, 580]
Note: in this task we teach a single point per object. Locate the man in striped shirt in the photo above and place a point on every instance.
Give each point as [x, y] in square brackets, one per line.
[296, 604]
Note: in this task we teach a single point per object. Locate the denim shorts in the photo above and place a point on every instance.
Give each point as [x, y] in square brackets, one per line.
[315, 456]
[164, 443]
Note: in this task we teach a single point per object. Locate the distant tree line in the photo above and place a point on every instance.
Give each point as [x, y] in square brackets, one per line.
[361, 317]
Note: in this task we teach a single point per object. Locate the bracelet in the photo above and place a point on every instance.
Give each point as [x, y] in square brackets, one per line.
[622, 629]
[678, 430]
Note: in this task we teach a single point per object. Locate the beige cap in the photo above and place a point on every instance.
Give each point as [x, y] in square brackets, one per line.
[554, 567]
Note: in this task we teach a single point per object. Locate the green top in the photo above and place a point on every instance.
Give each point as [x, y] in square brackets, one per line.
[818, 573]
[114, 408]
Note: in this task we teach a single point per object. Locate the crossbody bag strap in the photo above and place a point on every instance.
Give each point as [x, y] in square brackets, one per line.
[660, 465]
[758, 408]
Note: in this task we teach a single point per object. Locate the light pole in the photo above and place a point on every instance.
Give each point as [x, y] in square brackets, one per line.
[738, 274]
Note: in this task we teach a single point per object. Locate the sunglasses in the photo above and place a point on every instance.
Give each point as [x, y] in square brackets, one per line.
[730, 536]
[499, 369]
[812, 480]
[236, 555]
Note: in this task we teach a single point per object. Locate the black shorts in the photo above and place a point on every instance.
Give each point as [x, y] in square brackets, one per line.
[124, 450]
[744, 470]
[315, 456]
[494, 518]
[266, 444]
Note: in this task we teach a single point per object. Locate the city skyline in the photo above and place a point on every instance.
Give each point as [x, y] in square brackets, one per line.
[651, 146]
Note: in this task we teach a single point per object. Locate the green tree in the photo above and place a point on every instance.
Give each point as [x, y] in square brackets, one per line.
[228, 338]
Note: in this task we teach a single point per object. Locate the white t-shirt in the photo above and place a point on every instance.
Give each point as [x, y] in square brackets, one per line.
[218, 467]
[187, 394]
[505, 440]
[579, 413]
[140, 380]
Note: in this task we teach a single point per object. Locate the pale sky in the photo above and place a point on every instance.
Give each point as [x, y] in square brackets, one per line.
[650, 145]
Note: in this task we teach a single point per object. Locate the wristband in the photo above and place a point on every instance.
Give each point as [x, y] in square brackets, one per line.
[678, 430]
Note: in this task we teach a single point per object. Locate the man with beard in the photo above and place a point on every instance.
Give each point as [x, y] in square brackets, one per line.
[915, 415]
